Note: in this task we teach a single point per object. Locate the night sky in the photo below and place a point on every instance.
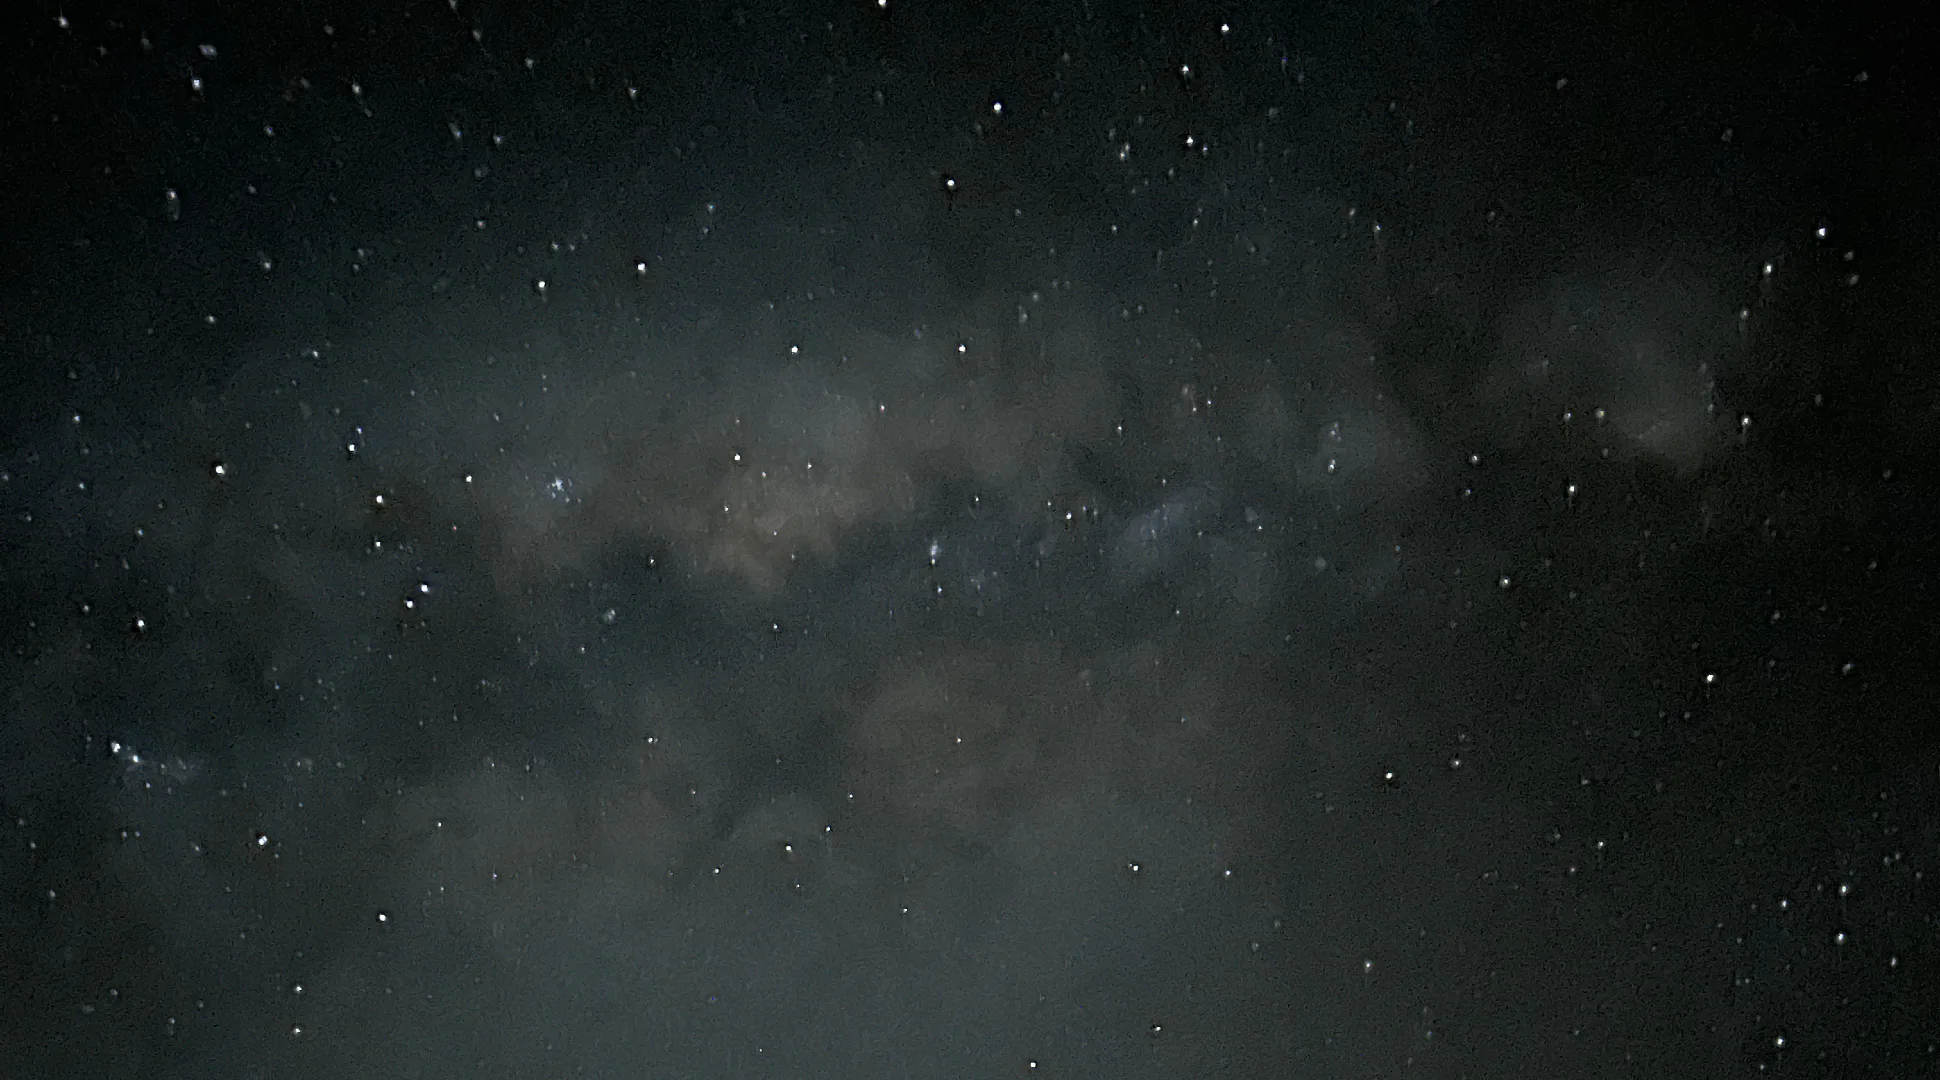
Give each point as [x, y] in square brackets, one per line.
[957, 540]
